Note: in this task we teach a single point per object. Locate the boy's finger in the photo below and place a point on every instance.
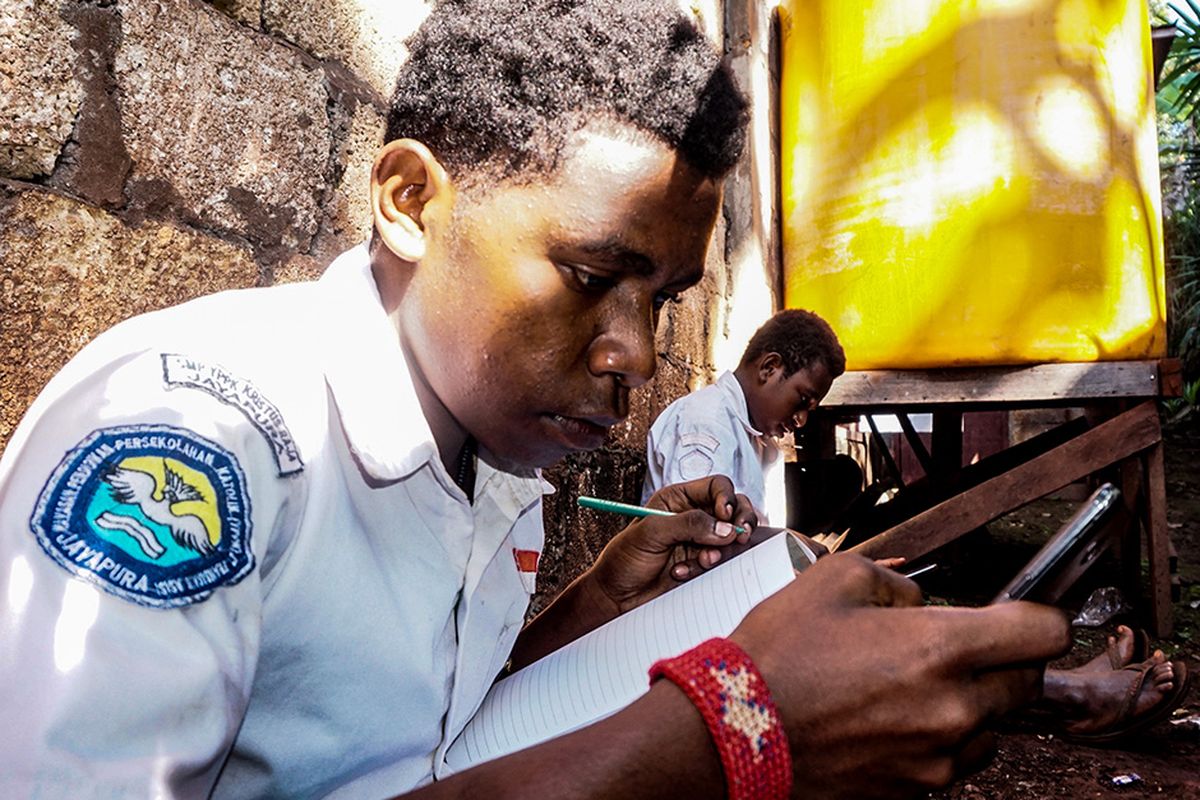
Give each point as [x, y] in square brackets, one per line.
[687, 569]
[846, 581]
[1008, 633]
[866, 584]
[745, 516]
[689, 527]
[714, 494]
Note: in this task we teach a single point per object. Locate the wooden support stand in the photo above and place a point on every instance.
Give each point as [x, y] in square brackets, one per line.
[1130, 439]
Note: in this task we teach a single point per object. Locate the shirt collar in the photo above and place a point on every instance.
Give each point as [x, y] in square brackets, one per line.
[366, 371]
[728, 383]
[368, 375]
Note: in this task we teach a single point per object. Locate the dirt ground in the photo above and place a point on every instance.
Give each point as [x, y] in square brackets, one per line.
[1033, 762]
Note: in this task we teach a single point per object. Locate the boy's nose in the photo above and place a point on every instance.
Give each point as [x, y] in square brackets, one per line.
[799, 419]
[625, 351]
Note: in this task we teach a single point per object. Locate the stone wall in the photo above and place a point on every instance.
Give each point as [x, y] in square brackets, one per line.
[156, 150]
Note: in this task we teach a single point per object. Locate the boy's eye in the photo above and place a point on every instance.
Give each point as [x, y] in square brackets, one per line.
[586, 280]
[662, 298]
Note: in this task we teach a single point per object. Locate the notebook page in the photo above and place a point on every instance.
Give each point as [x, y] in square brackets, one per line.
[606, 670]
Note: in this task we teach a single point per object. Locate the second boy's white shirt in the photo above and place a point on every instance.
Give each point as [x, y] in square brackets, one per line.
[380, 608]
[708, 432]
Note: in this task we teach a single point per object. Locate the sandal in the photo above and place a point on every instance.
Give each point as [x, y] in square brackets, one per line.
[1127, 722]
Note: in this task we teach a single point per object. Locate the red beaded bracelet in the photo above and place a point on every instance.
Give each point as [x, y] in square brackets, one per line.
[732, 697]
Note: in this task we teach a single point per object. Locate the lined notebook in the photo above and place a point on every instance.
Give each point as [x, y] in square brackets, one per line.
[606, 670]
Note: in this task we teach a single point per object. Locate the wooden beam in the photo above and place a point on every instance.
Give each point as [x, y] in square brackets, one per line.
[1170, 377]
[946, 444]
[914, 443]
[1108, 443]
[1158, 542]
[1130, 544]
[888, 460]
[1041, 383]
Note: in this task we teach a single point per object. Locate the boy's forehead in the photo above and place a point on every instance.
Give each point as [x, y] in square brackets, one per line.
[618, 150]
[614, 188]
[612, 172]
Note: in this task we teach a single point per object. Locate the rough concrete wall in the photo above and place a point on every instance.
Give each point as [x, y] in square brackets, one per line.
[155, 150]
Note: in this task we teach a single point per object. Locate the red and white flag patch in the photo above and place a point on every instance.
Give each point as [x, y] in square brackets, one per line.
[527, 565]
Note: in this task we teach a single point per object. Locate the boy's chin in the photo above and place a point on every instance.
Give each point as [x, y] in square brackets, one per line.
[525, 459]
[543, 445]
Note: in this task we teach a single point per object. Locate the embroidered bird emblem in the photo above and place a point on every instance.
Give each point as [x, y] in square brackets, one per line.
[137, 488]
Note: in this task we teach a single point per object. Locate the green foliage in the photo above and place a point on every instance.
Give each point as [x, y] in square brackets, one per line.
[1179, 153]
[1182, 407]
[1179, 88]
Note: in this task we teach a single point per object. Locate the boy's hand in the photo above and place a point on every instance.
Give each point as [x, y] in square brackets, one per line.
[882, 697]
[655, 553]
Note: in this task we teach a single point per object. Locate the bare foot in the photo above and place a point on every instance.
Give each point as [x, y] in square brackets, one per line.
[1097, 700]
[1118, 653]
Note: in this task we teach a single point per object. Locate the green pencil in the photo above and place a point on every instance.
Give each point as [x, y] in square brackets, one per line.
[628, 510]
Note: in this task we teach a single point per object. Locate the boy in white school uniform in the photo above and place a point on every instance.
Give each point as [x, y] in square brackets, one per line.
[731, 427]
[277, 543]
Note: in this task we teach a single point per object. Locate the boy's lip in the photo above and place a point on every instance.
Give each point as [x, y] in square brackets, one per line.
[581, 432]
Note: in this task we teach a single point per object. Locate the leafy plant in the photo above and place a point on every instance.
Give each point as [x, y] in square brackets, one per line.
[1179, 88]
[1181, 407]
[1179, 153]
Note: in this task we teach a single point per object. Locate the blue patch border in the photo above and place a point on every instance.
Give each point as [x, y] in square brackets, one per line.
[232, 555]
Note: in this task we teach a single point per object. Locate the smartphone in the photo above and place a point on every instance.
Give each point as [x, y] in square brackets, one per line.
[1070, 552]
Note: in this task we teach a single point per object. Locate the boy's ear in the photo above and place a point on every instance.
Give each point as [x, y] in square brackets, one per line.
[768, 365]
[407, 181]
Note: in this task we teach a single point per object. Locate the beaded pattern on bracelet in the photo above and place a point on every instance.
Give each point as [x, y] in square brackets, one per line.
[732, 697]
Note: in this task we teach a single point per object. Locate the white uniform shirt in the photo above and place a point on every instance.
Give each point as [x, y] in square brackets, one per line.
[347, 610]
[708, 432]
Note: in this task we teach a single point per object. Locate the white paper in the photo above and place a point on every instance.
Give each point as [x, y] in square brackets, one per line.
[606, 670]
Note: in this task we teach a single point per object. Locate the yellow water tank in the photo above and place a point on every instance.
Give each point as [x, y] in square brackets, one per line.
[973, 181]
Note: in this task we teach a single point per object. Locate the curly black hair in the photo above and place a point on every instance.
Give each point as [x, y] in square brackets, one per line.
[801, 338]
[496, 86]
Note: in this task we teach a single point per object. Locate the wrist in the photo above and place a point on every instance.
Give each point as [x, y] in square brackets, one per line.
[733, 699]
[595, 597]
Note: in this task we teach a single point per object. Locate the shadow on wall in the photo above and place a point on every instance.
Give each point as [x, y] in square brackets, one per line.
[982, 189]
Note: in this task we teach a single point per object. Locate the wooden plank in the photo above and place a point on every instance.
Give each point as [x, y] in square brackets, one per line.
[1108, 443]
[1158, 543]
[946, 444]
[1170, 377]
[888, 460]
[915, 444]
[1130, 544]
[1021, 452]
[991, 385]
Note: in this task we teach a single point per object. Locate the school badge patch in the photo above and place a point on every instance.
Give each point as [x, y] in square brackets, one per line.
[152, 513]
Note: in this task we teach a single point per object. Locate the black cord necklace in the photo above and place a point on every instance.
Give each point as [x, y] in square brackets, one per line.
[464, 471]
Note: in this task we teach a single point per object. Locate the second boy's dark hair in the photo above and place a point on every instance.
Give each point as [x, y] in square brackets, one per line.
[496, 86]
[801, 338]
